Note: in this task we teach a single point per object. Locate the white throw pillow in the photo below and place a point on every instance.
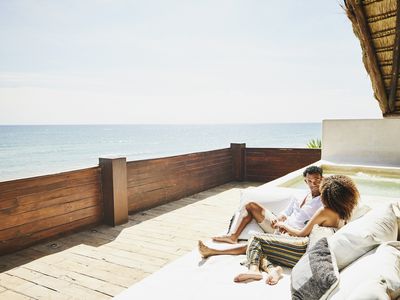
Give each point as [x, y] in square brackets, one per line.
[380, 268]
[319, 232]
[275, 198]
[396, 209]
[360, 210]
[272, 198]
[360, 236]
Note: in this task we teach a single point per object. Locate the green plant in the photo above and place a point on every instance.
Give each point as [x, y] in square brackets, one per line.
[314, 144]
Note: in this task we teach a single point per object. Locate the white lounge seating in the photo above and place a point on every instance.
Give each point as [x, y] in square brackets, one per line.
[191, 277]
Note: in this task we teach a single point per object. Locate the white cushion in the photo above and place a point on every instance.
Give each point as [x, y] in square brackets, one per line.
[319, 232]
[358, 237]
[375, 271]
[374, 289]
[396, 209]
[272, 198]
[360, 210]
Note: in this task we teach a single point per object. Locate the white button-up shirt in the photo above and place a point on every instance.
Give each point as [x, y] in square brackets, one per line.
[297, 216]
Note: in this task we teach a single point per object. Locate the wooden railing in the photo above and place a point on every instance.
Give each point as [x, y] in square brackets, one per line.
[41, 208]
[156, 181]
[38, 208]
[266, 164]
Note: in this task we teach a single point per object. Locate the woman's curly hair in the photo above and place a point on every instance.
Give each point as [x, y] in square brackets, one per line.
[339, 193]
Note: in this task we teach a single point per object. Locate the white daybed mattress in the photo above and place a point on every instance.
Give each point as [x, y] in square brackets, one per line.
[191, 277]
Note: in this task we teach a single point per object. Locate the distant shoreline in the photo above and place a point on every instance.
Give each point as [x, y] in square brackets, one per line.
[162, 124]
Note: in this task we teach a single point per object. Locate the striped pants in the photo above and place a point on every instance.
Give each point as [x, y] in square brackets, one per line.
[282, 249]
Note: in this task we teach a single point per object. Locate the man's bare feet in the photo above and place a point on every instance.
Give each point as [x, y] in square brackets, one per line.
[225, 239]
[248, 276]
[204, 250]
[274, 275]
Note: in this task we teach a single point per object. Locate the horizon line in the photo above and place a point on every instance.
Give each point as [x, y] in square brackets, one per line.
[155, 123]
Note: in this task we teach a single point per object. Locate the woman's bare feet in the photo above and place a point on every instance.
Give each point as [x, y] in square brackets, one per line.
[274, 275]
[248, 276]
[230, 239]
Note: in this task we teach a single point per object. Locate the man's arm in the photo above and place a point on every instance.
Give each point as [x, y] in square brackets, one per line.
[284, 214]
[318, 218]
[287, 211]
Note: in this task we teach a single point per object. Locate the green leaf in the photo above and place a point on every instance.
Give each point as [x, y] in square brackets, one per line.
[314, 144]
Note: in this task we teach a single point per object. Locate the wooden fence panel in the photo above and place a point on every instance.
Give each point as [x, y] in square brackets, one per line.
[39, 208]
[156, 181]
[266, 164]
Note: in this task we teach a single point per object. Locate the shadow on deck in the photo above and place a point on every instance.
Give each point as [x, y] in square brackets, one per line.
[100, 262]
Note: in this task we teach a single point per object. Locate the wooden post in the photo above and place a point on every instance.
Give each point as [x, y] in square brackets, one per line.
[238, 161]
[114, 189]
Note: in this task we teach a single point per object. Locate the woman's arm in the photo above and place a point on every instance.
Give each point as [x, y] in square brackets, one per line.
[318, 218]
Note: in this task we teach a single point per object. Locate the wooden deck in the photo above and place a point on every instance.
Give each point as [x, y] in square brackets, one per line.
[101, 262]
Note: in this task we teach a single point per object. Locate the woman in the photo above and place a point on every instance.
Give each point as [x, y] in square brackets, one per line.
[339, 196]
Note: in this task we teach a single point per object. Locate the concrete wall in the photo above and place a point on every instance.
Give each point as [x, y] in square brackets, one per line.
[362, 142]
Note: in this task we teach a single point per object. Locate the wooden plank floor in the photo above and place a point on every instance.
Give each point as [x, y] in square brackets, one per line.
[101, 262]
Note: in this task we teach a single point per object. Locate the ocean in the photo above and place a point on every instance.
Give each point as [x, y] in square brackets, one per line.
[27, 151]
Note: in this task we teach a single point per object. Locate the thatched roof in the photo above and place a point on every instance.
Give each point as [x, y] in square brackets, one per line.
[376, 24]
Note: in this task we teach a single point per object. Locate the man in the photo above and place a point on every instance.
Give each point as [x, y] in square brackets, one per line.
[295, 215]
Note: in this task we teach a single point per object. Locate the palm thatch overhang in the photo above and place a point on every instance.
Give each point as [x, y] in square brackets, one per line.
[377, 25]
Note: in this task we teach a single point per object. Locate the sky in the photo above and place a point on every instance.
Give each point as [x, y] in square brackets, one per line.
[180, 61]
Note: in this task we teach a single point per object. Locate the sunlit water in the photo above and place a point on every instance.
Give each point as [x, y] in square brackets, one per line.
[37, 150]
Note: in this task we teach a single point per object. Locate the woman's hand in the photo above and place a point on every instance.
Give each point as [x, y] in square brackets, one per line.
[281, 226]
[280, 218]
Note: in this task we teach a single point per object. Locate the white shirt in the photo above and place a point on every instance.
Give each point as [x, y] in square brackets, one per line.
[297, 216]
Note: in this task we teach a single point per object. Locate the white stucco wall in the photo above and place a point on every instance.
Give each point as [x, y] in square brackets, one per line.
[363, 142]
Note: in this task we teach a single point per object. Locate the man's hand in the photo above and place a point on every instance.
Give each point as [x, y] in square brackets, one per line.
[282, 218]
[273, 222]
